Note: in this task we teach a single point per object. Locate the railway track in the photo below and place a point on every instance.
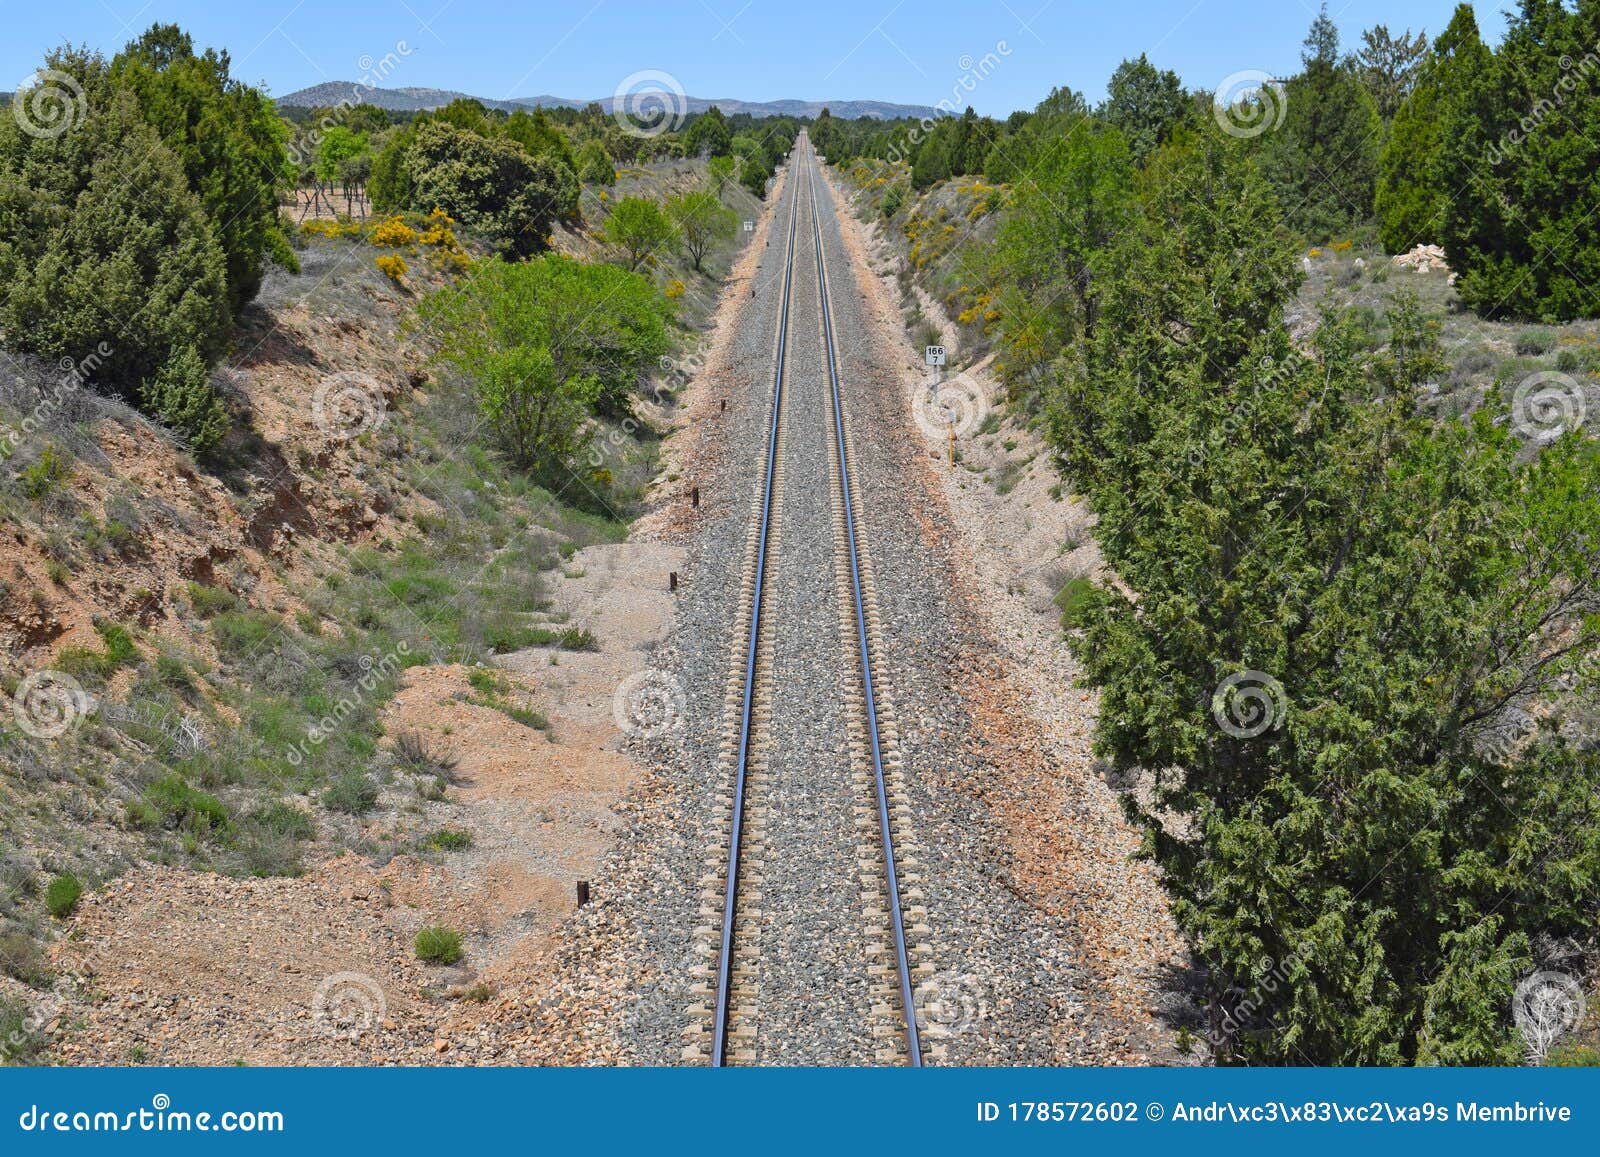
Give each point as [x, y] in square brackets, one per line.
[735, 1015]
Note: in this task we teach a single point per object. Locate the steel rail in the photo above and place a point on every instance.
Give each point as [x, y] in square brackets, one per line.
[897, 917]
[719, 1043]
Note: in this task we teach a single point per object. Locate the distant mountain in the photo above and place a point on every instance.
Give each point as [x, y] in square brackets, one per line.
[334, 92]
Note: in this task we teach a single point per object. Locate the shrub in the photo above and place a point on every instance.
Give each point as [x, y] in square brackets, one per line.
[1074, 597]
[491, 187]
[44, 475]
[171, 803]
[700, 220]
[353, 793]
[20, 1038]
[637, 229]
[416, 756]
[438, 945]
[61, 897]
[208, 602]
[448, 840]
[393, 233]
[1535, 342]
[106, 257]
[180, 396]
[280, 817]
[240, 634]
[21, 959]
[392, 266]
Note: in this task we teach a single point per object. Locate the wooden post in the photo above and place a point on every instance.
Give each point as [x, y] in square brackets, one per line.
[694, 497]
[672, 580]
[583, 892]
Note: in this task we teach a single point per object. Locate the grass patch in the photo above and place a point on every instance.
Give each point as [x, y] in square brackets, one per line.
[170, 803]
[353, 793]
[61, 897]
[1075, 596]
[438, 945]
[209, 602]
[447, 840]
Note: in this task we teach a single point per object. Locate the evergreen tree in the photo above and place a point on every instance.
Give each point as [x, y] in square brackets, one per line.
[1324, 157]
[1145, 104]
[228, 138]
[1413, 191]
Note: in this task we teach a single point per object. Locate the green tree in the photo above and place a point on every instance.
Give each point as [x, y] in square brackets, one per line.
[106, 257]
[227, 137]
[699, 220]
[1413, 191]
[602, 327]
[638, 230]
[491, 186]
[1145, 104]
[1390, 65]
[1324, 157]
[708, 135]
[1520, 145]
[1326, 603]
[595, 166]
[1066, 208]
[337, 153]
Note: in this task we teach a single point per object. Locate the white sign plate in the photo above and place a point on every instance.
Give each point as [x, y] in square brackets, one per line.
[934, 355]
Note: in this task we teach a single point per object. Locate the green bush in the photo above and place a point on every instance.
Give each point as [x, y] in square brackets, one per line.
[107, 259]
[240, 634]
[43, 476]
[1075, 596]
[180, 396]
[448, 840]
[1573, 1055]
[208, 602]
[490, 186]
[353, 793]
[438, 945]
[280, 817]
[171, 803]
[61, 897]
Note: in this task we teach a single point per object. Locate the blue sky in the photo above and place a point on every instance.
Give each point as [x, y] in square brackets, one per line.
[912, 51]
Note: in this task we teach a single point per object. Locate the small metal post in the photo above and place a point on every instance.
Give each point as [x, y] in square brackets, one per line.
[724, 408]
[672, 580]
[583, 892]
[694, 497]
